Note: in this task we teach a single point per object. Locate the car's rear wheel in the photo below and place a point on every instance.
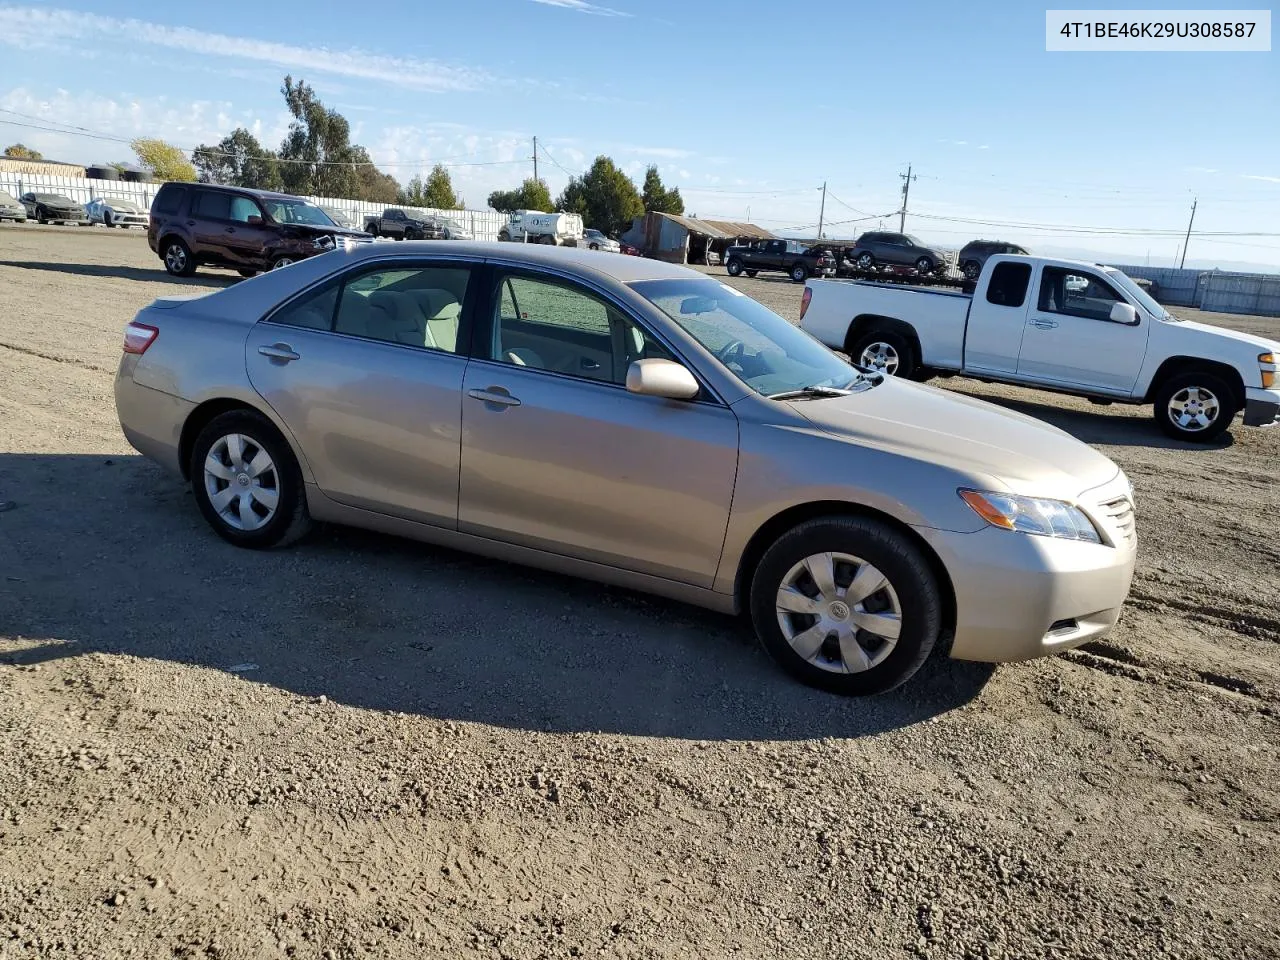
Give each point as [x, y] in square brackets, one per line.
[799, 273]
[884, 352]
[972, 269]
[751, 273]
[866, 261]
[734, 266]
[247, 482]
[846, 604]
[1197, 406]
[178, 260]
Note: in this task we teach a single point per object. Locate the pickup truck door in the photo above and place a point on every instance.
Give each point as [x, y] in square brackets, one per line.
[1071, 340]
[998, 320]
[393, 222]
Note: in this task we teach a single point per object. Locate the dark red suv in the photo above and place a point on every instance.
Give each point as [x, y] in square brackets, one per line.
[247, 230]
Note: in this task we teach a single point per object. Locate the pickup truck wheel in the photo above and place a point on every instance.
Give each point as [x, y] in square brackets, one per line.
[972, 270]
[734, 267]
[887, 353]
[751, 273]
[1194, 406]
[846, 604]
[799, 273]
[866, 261]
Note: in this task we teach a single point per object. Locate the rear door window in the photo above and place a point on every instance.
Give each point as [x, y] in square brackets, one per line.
[1008, 286]
[212, 206]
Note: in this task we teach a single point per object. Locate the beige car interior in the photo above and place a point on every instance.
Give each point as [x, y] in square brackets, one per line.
[420, 316]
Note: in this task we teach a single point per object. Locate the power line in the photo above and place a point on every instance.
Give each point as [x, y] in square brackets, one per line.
[551, 156]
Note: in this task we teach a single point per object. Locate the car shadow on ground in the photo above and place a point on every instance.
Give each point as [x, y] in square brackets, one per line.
[158, 275]
[1103, 427]
[109, 554]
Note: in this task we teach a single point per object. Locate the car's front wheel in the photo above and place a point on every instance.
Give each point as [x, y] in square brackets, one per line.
[924, 266]
[247, 482]
[866, 261]
[847, 604]
[1197, 406]
[734, 267]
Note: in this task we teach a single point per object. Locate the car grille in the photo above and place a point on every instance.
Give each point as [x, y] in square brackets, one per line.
[1119, 515]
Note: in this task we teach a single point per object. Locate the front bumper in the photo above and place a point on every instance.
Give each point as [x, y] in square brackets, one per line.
[66, 216]
[1020, 596]
[130, 219]
[1261, 407]
[13, 213]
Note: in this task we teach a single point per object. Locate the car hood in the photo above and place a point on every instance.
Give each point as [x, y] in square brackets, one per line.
[1263, 343]
[59, 205]
[308, 230]
[1025, 455]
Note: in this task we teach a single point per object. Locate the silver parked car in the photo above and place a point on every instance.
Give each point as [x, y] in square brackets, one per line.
[11, 208]
[636, 423]
[116, 212]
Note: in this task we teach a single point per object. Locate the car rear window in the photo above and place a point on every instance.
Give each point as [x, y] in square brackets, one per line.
[169, 199]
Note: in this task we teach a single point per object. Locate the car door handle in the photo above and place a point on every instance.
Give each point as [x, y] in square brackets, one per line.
[589, 364]
[495, 395]
[279, 351]
[1042, 324]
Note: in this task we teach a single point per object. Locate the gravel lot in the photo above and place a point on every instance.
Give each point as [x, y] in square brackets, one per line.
[365, 747]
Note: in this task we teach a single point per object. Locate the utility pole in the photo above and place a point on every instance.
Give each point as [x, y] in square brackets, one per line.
[822, 210]
[1187, 241]
[906, 191]
[535, 158]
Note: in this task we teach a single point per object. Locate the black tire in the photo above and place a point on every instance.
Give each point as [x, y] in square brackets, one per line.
[41, 215]
[734, 266]
[925, 266]
[183, 266]
[373, 230]
[894, 555]
[972, 270]
[865, 261]
[291, 521]
[1200, 381]
[504, 237]
[106, 219]
[751, 273]
[595, 246]
[908, 363]
[799, 273]
[247, 273]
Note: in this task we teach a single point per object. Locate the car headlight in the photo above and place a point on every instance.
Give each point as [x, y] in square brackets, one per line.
[1044, 518]
[323, 243]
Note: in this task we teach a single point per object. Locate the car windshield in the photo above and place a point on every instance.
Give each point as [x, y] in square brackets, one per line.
[1143, 298]
[298, 211]
[125, 205]
[914, 241]
[765, 352]
[51, 198]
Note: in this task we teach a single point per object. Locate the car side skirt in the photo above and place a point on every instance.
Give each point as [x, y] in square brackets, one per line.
[324, 509]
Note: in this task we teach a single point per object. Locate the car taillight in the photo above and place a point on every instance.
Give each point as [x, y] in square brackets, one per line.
[139, 336]
[804, 301]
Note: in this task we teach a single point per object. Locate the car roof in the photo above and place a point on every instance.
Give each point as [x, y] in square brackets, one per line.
[614, 266]
[223, 188]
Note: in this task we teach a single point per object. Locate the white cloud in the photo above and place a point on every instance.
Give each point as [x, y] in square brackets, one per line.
[1258, 176]
[582, 6]
[667, 153]
[32, 28]
[1201, 169]
[118, 120]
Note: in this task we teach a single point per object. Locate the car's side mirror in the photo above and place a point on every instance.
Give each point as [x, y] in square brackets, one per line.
[254, 221]
[1124, 313]
[661, 378]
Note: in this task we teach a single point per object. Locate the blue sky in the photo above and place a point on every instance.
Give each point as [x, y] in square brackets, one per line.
[746, 108]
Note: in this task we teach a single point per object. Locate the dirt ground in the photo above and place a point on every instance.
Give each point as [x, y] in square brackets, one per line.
[365, 747]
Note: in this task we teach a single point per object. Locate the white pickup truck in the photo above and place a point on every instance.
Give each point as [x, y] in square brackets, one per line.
[1060, 325]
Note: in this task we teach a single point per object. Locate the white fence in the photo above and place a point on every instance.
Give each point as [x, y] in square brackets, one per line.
[483, 224]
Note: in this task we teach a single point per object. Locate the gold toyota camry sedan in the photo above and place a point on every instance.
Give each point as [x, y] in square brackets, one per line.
[634, 423]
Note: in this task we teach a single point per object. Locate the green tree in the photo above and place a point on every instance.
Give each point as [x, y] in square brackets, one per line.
[19, 151]
[532, 195]
[439, 190]
[371, 183]
[413, 193]
[604, 196]
[657, 197]
[238, 160]
[164, 160]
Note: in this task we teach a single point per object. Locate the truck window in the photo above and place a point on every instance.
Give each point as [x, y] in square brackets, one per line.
[1075, 294]
[1008, 286]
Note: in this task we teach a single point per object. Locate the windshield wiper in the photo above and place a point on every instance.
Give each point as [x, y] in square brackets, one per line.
[809, 393]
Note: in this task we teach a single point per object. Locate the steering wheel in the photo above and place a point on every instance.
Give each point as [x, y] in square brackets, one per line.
[732, 352]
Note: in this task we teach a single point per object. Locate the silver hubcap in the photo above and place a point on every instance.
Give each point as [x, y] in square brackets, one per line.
[839, 612]
[282, 262]
[923, 266]
[1193, 409]
[175, 257]
[241, 482]
[865, 262]
[881, 357]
